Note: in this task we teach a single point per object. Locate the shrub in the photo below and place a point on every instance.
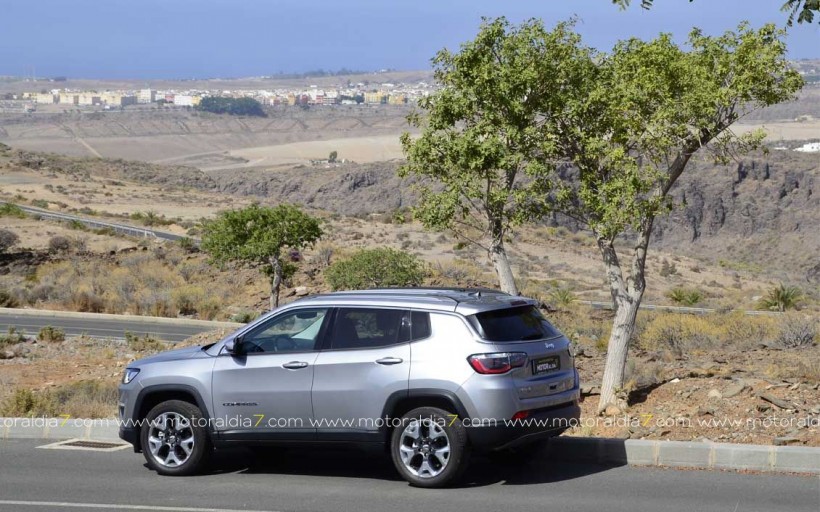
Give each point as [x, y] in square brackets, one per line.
[59, 244]
[782, 298]
[369, 268]
[7, 300]
[51, 334]
[11, 210]
[562, 297]
[12, 337]
[83, 399]
[8, 239]
[685, 297]
[245, 317]
[145, 343]
[667, 269]
[187, 244]
[40, 203]
[797, 331]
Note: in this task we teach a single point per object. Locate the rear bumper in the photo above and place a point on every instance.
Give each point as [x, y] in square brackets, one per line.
[131, 435]
[541, 424]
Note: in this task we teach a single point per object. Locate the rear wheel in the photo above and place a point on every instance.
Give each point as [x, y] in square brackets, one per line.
[174, 439]
[429, 448]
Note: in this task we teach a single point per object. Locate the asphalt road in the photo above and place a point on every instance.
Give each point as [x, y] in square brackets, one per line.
[100, 328]
[335, 480]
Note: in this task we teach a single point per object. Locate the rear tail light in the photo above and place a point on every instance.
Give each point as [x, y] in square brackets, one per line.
[499, 362]
[520, 415]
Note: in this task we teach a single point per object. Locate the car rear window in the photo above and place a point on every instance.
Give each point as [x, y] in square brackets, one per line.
[522, 323]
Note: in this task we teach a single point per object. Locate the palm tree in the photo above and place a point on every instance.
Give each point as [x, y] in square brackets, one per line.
[782, 298]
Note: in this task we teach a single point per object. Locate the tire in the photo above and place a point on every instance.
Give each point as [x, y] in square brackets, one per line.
[173, 441]
[418, 444]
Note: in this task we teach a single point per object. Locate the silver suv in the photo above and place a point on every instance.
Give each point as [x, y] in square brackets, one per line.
[431, 374]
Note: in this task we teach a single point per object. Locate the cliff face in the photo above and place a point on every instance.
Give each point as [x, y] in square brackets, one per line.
[761, 211]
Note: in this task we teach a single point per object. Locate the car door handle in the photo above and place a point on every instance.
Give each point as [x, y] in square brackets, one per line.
[389, 360]
[295, 365]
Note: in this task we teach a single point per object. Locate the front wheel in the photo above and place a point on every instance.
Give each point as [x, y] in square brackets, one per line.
[174, 440]
[429, 448]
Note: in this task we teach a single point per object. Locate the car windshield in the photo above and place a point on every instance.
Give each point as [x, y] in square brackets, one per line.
[523, 323]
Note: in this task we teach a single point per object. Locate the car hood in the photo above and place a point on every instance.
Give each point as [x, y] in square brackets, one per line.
[170, 355]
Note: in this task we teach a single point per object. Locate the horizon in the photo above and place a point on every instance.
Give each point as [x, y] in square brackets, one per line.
[188, 40]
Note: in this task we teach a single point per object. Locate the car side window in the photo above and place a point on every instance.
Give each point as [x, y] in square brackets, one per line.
[294, 331]
[366, 328]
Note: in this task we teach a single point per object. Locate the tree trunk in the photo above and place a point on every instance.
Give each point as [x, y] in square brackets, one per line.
[622, 328]
[275, 282]
[502, 267]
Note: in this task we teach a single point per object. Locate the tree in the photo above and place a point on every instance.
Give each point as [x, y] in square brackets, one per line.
[802, 10]
[476, 155]
[260, 235]
[332, 157]
[8, 239]
[373, 268]
[628, 127]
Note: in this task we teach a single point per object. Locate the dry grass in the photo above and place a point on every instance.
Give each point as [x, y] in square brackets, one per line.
[82, 399]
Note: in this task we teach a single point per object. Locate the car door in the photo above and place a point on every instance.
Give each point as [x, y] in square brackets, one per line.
[366, 359]
[265, 393]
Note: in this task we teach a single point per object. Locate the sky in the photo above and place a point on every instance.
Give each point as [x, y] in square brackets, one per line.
[239, 38]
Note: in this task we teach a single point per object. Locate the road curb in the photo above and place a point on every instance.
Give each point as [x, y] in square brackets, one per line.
[706, 455]
[134, 318]
[632, 452]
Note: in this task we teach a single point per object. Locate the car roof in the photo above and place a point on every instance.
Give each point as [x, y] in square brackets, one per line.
[466, 301]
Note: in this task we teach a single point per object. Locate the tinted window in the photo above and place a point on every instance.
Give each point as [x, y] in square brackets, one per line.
[420, 325]
[366, 328]
[294, 331]
[513, 324]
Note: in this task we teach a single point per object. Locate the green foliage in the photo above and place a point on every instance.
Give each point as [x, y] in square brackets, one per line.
[245, 317]
[373, 268]
[781, 298]
[685, 297]
[259, 235]
[562, 297]
[481, 143]
[51, 334]
[187, 244]
[802, 10]
[8, 239]
[40, 203]
[232, 106]
[11, 210]
[12, 337]
[82, 399]
[797, 331]
[332, 157]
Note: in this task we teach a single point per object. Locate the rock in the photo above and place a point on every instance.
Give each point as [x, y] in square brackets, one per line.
[612, 410]
[703, 411]
[783, 404]
[623, 434]
[794, 386]
[714, 393]
[674, 381]
[300, 291]
[815, 409]
[735, 389]
[783, 441]
[7, 354]
[763, 407]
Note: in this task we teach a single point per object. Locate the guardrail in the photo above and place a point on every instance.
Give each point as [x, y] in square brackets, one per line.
[97, 224]
[678, 309]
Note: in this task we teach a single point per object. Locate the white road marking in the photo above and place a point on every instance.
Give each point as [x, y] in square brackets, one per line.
[116, 506]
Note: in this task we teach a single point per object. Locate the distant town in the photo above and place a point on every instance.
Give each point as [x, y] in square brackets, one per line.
[352, 94]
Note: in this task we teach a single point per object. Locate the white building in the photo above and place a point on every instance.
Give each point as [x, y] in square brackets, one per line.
[146, 96]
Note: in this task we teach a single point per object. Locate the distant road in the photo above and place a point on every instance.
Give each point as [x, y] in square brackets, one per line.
[125, 229]
[677, 309]
[106, 326]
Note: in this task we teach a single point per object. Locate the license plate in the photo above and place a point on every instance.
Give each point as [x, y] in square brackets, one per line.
[546, 365]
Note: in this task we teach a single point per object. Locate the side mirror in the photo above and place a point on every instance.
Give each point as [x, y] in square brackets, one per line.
[234, 346]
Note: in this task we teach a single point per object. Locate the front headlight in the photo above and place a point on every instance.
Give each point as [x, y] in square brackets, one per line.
[129, 375]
